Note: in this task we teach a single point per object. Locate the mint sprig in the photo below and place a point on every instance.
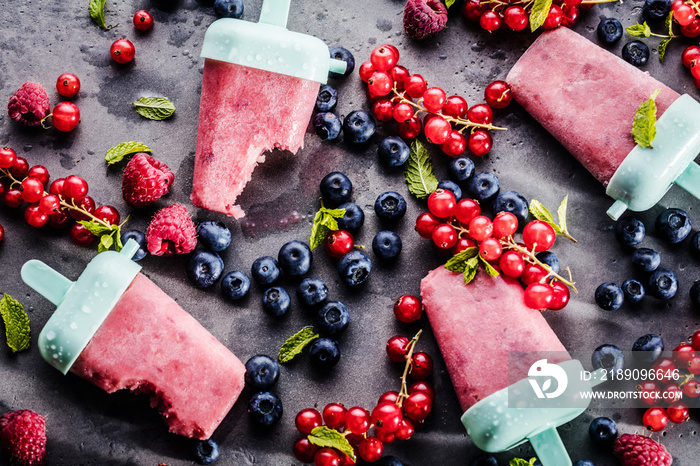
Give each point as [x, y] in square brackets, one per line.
[109, 235]
[467, 263]
[17, 329]
[325, 221]
[643, 30]
[538, 13]
[97, 13]
[324, 436]
[644, 123]
[540, 212]
[296, 343]
[522, 462]
[154, 108]
[639, 30]
[419, 171]
[117, 153]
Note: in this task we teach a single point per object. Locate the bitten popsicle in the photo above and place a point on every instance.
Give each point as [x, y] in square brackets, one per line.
[115, 328]
[259, 88]
[586, 97]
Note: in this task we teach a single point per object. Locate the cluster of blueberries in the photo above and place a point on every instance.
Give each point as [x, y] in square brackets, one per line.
[646, 350]
[672, 225]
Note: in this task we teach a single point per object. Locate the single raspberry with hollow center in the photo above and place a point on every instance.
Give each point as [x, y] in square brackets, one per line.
[171, 232]
[638, 450]
[23, 437]
[29, 104]
[423, 18]
[145, 180]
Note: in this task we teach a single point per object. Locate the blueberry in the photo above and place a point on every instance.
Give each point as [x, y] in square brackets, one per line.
[656, 10]
[354, 268]
[353, 218]
[460, 169]
[358, 127]
[663, 284]
[633, 290]
[275, 301]
[549, 258]
[261, 372]
[450, 185]
[603, 431]
[265, 409]
[265, 270]
[228, 8]
[335, 188]
[609, 296]
[332, 318]
[327, 98]
[390, 206]
[311, 292]
[327, 125]
[295, 258]
[140, 238]
[213, 236]
[609, 30]
[673, 225]
[635, 53]
[513, 202]
[648, 348]
[387, 245]
[324, 353]
[584, 463]
[629, 231]
[235, 285]
[393, 152]
[608, 357]
[204, 268]
[206, 451]
[484, 460]
[645, 259]
[339, 53]
[390, 461]
[694, 244]
[484, 187]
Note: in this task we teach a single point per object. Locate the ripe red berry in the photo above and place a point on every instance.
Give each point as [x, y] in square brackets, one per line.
[380, 83]
[122, 51]
[490, 249]
[389, 397]
[434, 99]
[383, 58]
[107, 213]
[441, 203]
[684, 14]
[408, 308]
[515, 17]
[397, 348]
[421, 365]
[695, 69]
[304, 450]
[466, 210]
[13, 198]
[80, 235]
[417, 406]
[532, 274]
[307, 419]
[8, 157]
[422, 386]
[357, 420]
[694, 365]
[480, 113]
[479, 142]
[143, 20]
[682, 354]
[512, 264]
[371, 449]
[334, 415]
[554, 17]
[655, 419]
[650, 392]
[68, 85]
[32, 189]
[689, 54]
[665, 369]
[671, 393]
[472, 10]
[338, 243]
[695, 340]
[40, 173]
[455, 145]
[65, 116]
[480, 228]
[691, 388]
[538, 235]
[572, 13]
[34, 216]
[504, 225]
[490, 21]
[409, 129]
[498, 94]
[406, 430]
[385, 436]
[538, 296]
[59, 220]
[2, 233]
[394, 50]
[86, 204]
[399, 74]
[692, 29]
[437, 129]
[386, 416]
[20, 168]
[415, 86]
[463, 243]
[402, 112]
[678, 412]
[56, 186]
[561, 296]
[366, 69]
[75, 187]
[425, 224]
[455, 106]
[327, 457]
[49, 204]
[444, 236]
[383, 110]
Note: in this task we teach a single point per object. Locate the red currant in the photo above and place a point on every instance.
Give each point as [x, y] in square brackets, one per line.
[327, 457]
[504, 225]
[678, 412]
[512, 264]
[20, 168]
[417, 406]
[472, 10]
[56, 186]
[389, 397]
[682, 354]
[357, 420]
[334, 415]
[386, 416]
[671, 393]
[75, 187]
[561, 296]
[380, 83]
[695, 340]
[538, 296]
[692, 29]
[402, 112]
[650, 392]
[655, 419]
[366, 70]
[108, 214]
[371, 449]
[307, 419]
[415, 86]
[40, 173]
[59, 220]
[572, 13]
[434, 99]
[421, 365]
[480, 113]
[8, 157]
[490, 249]
[345, 460]
[444, 236]
[80, 235]
[694, 365]
[455, 106]
[32, 189]
[664, 368]
[68, 85]
[122, 51]
[691, 388]
[466, 210]
[498, 94]
[441, 203]
[676, 3]
[304, 450]
[399, 74]
[34, 216]
[480, 228]
[479, 142]
[86, 204]
[385, 436]
[338, 243]
[383, 58]
[515, 18]
[455, 145]
[49, 204]
[383, 110]
[406, 430]
[422, 386]
[689, 54]
[490, 21]
[538, 235]
[2, 233]
[463, 243]
[553, 18]
[425, 224]
[408, 308]
[533, 274]
[397, 348]
[13, 198]
[695, 69]
[65, 116]
[684, 14]
[437, 130]
[143, 21]
[409, 129]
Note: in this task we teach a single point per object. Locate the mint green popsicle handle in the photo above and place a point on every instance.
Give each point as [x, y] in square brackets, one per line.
[46, 281]
[690, 179]
[549, 448]
[275, 12]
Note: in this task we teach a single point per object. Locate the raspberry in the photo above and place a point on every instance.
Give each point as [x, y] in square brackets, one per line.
[29, 104]
[23, 436]
[637, 450]
[171, 232]
[145, 180]
[423, 18]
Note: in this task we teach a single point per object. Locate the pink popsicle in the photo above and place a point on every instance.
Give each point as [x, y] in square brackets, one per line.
[476, 325]
[585, 97]
[244, 112]
[149, 344]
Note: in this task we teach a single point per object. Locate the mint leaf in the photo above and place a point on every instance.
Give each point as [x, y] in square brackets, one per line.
[471, 267]
[154, 108]
[540, 212]
[458, 262]
[449, 3]
[16, 323]
[521, 462]
[662, 47]
[106, 242]
[669, 24]
[326, 437]
[95, 228]
[419, 171]
[118, 246]
[644, 123]
[118, 152]
[639, 30]
[324, 222]
[97, 12]
[538, 14]
[488, 267]
[561, 213]
[296, 343]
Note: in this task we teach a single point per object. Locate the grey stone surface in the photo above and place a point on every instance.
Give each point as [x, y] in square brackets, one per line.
[40, 40]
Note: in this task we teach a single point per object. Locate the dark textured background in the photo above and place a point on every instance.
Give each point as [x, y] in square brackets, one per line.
[39, 40]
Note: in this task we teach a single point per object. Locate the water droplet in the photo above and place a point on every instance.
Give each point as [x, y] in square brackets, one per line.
[73, 326]
[50, 335]
[86, 309]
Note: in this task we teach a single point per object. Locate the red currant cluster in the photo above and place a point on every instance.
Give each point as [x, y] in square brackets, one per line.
[396, 416]
[122, 50]
[455, 227]
[493, 14]
[687, 15]
[392, 90]
[65, 201]
[677, 379]
[691, 60]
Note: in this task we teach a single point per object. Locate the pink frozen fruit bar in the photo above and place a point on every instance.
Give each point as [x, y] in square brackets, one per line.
[586, 97]
[117, 329]
[477, 325]
[259, 86]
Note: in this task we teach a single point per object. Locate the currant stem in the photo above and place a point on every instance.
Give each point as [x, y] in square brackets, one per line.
[510, 244]
[6, 172]
[403, 394]
[84, 211]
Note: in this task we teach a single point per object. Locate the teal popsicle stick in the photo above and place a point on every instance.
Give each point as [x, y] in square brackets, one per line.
[550, 449]
[275, 12]
[46, 281]
[690, 179]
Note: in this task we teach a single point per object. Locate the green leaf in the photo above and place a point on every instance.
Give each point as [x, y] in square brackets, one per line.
[326, 437]
[154, 108]
[296, 343]
[449, 3]
[669, 23]
[106, 242]
[644, 123]
[458, 262]
[324, 222]
[16, 323]
[522, 462]
[639, 30]
[118, 238]
[419, 171]
[95, 228]
[662, 47]
[561, 213]
[540, 212]
[97, 12]
[118, 152]
[538, 14]
[488, 267]
[470, 269]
